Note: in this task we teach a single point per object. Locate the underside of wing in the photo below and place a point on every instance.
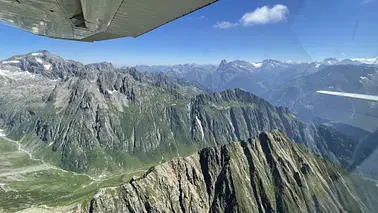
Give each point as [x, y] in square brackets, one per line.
[94, 20]
[351, 95]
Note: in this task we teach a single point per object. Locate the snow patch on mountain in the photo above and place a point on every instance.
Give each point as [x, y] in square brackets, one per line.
[36, 54]
[199, 124]
[11, 62]
[47, 66]
[363, 78]
[39, 60]
[15, 75]
[257, 65]
[330, 61]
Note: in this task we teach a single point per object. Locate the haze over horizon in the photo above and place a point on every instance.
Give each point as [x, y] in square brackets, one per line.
[254, 63]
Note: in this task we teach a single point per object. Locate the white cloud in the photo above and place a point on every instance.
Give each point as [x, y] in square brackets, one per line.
[225, 25]
[261, 15]
[365, 60]
[265, 15]
[366, 2]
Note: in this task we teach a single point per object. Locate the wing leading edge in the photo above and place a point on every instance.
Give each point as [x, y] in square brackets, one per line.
[94, 20]
[351, 95]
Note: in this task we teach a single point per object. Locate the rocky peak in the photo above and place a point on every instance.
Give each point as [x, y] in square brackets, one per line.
[38, 56]
[223, 62]
[101, 66]
[235, 67]
[43, 63]
[330, 61]
[243, 65]
[270, 64]
[271, 61]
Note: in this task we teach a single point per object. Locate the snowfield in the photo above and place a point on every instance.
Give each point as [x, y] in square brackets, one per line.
[2, 133]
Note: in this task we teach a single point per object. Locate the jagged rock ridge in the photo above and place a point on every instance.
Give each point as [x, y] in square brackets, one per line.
[268, 173]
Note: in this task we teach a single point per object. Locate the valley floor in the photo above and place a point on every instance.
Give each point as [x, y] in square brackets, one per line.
[31, 185]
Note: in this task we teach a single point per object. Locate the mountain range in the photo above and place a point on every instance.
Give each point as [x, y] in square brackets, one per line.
[300, 96]
[96, 118]
[100, 120]
[294, 85]
[258, 77]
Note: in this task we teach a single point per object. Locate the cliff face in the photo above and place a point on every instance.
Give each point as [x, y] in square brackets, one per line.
[121, 119]
[268, 173]
[235, 115]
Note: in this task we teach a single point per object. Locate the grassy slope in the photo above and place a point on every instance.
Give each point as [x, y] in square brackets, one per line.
[25, 182]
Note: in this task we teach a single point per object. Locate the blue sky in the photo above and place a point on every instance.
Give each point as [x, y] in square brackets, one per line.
[298, 30]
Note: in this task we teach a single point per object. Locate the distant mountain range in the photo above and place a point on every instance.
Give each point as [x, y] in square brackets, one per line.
[258, 78]
[240, 64]
[300, 96]
[294, 85]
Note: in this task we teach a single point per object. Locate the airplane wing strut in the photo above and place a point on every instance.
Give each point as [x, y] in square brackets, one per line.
[351, 95]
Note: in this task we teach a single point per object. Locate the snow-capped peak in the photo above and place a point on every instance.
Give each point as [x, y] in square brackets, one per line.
[235, 66]
[39, 59]
[330, 61]
[270, 63]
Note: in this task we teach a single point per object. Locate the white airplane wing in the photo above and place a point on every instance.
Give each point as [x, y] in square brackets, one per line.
[94, 20]
[351, 95]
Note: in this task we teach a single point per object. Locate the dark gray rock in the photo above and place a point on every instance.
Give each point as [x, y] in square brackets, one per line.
[261, 175]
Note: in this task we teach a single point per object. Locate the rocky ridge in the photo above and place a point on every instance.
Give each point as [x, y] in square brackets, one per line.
[268, 173]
